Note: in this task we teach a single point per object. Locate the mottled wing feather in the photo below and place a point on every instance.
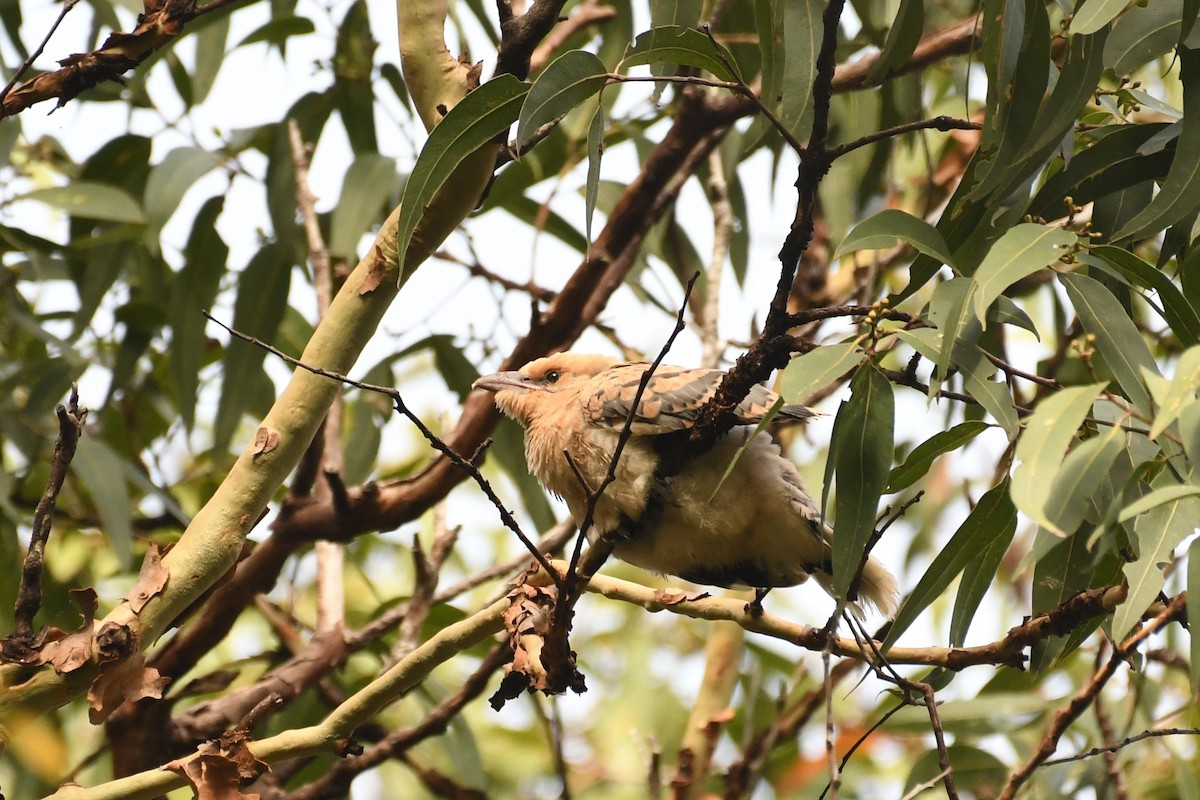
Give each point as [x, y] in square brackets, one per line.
[672, 400]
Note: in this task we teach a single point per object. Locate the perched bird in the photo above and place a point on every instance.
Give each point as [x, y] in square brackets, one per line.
[755, 527]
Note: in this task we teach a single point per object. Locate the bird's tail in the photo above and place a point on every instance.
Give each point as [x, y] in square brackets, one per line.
[877, 589]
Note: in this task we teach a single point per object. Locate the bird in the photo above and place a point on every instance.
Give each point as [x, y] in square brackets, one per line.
[749, 525]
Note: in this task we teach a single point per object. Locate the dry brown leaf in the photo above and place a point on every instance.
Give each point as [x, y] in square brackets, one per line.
[671, 597]
[67, 652]
[265, 441]
[118, 681]
[220, 767]
[151, 580]
[375, 272]
[213, 777]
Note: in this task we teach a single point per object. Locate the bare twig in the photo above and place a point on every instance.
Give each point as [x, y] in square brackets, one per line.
[29, 594]
[601, 547]
[331, 595]
[753, 97]
[1095, 751]
[36, 54]
[519, 36]
[940, 123]
[722, 210]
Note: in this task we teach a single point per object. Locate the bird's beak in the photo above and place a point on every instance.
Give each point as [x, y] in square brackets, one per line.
[502, 381]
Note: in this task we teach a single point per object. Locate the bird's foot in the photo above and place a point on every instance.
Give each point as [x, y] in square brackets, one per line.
[755, 608]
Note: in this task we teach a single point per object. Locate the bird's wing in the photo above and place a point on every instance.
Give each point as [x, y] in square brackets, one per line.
[672, 399]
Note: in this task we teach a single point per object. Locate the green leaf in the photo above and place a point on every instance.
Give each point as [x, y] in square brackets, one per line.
[1043, 445]
[883, 229]
[194, 290]
[258, 311]
[360, 437]
[816, 369]
[279, 30]
[1021, 251]
[1118, 341]
[100, 470]
[170, 180]
[210, 56]
[865, 425]
[535, 214]
[673, 44]
[976, 771]
[977, 578]
[902, 39]
[508, 448]
[1193, 608]
[1083, 471]
[1158, 532]
[1177, 311]
[1181, 392]
[950, 310]
[1157, 498]
[91, 201]
[800, 21]
[569, 80]
[1093, 15]
[1113, 162]
[994, 519]
[923, 455]
[595, 150]
[367, 185]
[482, 115]
[1180, 193]
[1143, 33]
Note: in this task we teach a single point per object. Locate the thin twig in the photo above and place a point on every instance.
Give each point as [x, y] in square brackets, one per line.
[401, 407]
[941, 123]
[28, 62]
[331, 594]
[722, 211]
[752, 95]
[29, 594]
[1128, 740]
[622, 440]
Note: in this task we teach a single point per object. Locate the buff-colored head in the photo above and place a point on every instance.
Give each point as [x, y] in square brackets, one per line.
[544, 384]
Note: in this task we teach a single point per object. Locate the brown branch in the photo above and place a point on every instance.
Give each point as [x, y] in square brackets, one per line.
[1085, 697]
[325, 651]
[586, 13]
[520, 36]
[28, 62]
[160, 25]
[954, 40]
[29, 594]
[1111, 762]
[769, 352]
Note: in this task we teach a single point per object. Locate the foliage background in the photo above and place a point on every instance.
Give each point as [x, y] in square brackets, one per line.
[1067, 224]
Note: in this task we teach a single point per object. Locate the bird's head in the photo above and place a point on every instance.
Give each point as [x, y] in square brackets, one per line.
[543, 384]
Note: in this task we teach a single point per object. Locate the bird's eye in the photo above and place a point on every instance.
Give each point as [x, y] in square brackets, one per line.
[552, 376]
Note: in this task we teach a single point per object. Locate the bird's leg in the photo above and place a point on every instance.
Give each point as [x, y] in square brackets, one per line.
[755, 608]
